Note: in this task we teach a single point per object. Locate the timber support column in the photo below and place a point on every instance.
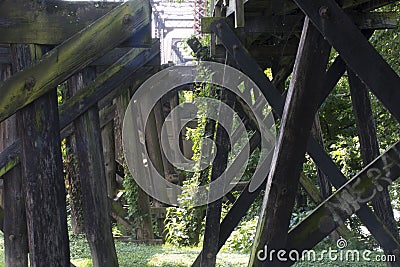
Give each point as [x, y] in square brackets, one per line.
[43, 180]
[96, 210]
[14, 228]
[300, 108]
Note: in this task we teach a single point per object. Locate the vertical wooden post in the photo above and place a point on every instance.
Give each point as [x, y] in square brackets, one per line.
[143, 198]
[72, 171]
[213, 216]
[14, 227]
[43, 180]
[301, 105]
[324, 184]
[96, 208]
[74, 186]
[108, 140]
[370, 148]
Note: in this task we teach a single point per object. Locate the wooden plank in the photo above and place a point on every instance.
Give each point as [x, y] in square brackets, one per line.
[146, 231]
[370, 148]
[220, 163]
[108, 141]
[107, 115]
[95, 204]
[47, 22]
[74, 54]
[298, 116]
[105, 83]
[351, 198]
[13, 197]
[43, 180]
[355, 50]
[292, 23]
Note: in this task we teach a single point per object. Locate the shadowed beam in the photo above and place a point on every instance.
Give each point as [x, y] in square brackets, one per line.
[73, 55]
[349, 199]
[302, 103]
[355, 50]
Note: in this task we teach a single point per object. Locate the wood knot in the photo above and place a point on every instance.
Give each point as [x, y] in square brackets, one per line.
[284, 191]
[11, 237]
[209, 255]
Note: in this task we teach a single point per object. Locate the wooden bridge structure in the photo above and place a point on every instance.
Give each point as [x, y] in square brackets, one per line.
[101, 52]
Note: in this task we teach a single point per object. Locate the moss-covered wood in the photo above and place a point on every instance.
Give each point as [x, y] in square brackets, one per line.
[47, 22]
[74, 54]
[105, 83]
[42, 176]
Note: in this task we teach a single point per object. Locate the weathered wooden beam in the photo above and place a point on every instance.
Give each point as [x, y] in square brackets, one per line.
[349, 199]
[369, 148]
[285, 7]
[47, 22]
[292, 23]
[105, 83]
[355, 50]
[92, 175]
[298, 116]
[74, 54]
[42, 177]
[214, 208]
[151, 140]
[13, 196]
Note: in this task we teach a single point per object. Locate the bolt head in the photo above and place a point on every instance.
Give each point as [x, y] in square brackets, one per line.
[324, 12]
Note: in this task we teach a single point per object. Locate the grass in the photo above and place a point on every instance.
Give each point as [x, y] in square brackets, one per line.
[135, 255]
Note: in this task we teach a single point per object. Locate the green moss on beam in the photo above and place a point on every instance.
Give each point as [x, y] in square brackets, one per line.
[125, 21]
